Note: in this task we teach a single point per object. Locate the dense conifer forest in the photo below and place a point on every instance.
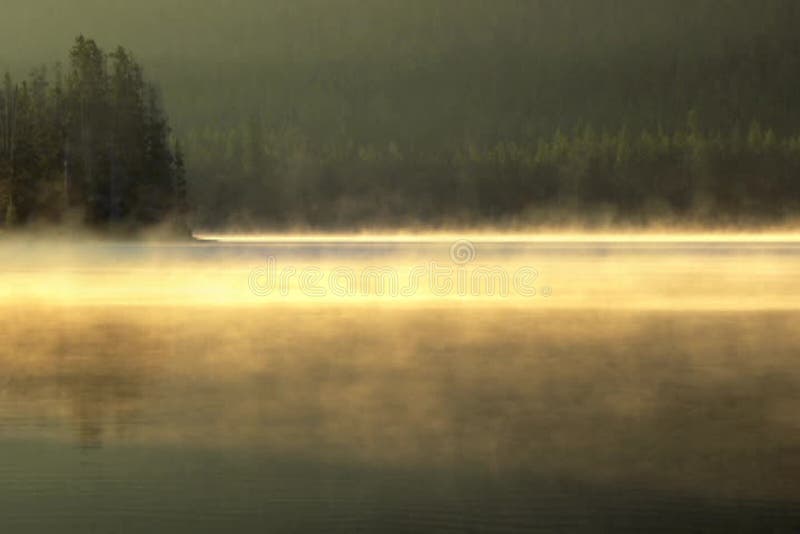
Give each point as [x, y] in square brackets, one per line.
[361, 112]
[90, 140]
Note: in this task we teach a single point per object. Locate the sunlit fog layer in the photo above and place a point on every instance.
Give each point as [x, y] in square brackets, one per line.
[621, 378]
[580, 271]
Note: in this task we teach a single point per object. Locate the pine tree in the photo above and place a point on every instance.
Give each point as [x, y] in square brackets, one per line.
[180, 202]
[11, 213]
[88, 128]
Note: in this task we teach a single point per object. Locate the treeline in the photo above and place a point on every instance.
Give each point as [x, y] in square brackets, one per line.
[259, 177]
[370, 112]
[351, 112]
[93, 140]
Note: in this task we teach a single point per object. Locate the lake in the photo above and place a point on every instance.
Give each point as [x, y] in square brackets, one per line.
[396, 385]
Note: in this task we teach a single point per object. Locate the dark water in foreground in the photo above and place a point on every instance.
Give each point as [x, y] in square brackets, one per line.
[378, 418]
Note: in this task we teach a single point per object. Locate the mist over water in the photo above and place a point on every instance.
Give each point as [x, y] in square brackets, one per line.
[529, 265]
[676, 272]
[147, 385]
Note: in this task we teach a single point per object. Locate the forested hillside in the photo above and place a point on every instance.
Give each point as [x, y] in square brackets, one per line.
[353, 112]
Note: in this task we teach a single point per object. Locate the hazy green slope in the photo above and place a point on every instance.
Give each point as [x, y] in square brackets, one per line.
[305, 109]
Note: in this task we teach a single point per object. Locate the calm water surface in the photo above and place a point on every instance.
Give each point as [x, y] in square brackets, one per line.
[146, 389]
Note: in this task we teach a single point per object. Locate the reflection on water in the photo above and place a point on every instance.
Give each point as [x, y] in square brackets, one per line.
[370, 416]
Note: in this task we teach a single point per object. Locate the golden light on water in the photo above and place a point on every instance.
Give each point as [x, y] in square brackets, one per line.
[631, 353]
[405, 388]
[704, 271]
